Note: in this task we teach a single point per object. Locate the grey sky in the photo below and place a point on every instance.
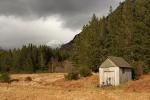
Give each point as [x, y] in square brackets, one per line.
[40, 21]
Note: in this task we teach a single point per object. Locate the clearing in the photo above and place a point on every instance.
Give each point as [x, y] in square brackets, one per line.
[52, 86]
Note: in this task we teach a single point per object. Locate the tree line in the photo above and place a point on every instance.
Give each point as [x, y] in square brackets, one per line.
[31, 59]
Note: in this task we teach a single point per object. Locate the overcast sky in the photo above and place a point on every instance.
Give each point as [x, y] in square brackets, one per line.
[42, 21]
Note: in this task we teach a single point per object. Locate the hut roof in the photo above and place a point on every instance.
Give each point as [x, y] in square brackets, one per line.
[119, 61]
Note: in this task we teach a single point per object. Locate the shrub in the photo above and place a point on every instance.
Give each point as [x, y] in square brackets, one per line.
[5, 77]
[95, 69]
[73, 75]
[85, 71]
[28, 78]
[145, 69]
[137, 70]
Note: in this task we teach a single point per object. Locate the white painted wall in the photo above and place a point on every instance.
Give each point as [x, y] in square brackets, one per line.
[115, 77]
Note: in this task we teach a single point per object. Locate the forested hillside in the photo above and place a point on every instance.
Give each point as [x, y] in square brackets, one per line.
[125, 32]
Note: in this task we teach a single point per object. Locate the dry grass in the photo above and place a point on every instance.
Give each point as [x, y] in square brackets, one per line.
[54, 87]
[141, 85]
[87, 82]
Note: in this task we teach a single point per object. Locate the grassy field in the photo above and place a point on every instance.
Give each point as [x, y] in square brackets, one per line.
[54, 87]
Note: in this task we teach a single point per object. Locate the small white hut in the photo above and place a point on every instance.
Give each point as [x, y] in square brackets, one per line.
[114, 71]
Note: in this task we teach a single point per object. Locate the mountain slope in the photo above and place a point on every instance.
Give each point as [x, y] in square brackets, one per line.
[124, 32]
[68, 46]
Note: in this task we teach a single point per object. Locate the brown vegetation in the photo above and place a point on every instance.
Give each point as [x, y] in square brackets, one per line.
[81, 83]
[54, 87]
[141, 85]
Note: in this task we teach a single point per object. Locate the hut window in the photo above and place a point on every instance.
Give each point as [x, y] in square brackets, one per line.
[123, 70]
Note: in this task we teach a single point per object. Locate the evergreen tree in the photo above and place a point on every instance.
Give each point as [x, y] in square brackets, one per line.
[124, 32]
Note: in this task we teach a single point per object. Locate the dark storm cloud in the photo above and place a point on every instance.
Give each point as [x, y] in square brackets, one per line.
[74, 13]
[43, 21]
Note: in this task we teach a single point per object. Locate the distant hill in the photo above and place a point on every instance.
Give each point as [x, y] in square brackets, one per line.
[68, 46]
[124, 32]
[1, 49]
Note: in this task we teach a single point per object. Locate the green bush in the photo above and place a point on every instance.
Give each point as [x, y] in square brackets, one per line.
[73, 75]
[5, 77]
[85, 71]
[28, 78]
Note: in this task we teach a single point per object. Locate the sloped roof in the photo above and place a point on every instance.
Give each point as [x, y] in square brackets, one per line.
[119, 61]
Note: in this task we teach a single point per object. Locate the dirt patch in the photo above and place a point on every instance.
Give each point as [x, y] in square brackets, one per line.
[81, 83]
[141, 85]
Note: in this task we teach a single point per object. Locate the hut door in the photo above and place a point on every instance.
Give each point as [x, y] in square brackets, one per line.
[109, 78]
